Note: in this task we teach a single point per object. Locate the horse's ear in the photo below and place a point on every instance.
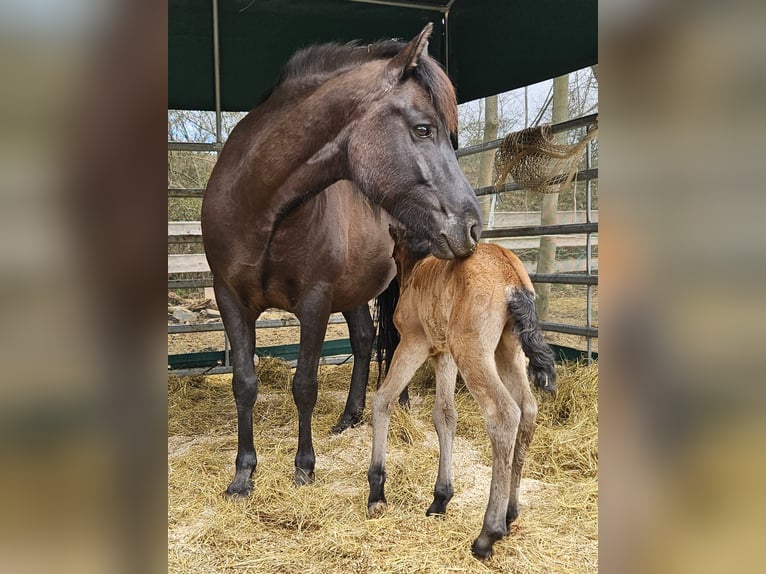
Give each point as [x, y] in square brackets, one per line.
[408, 57]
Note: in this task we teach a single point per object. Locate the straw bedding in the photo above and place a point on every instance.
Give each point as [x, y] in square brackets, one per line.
[323, 528]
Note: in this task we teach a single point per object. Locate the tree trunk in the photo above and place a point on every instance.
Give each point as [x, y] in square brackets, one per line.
[487, 158]
[550, 207]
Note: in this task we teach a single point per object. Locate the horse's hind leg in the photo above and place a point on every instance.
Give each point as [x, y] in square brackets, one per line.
[313, 312]
[445, 421]
[240, 327]
[361, 331]
[513, 370]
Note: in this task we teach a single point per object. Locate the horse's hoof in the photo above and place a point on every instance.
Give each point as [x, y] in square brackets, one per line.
[376, 509]
[437, 509]
[346, 422]
[303, 477]
[239, 491]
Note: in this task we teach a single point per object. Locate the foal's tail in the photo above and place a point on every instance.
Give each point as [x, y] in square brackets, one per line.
[388, 336]
[541, 369]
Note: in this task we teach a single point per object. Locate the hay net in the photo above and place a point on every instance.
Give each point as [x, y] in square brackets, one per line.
[536, 162]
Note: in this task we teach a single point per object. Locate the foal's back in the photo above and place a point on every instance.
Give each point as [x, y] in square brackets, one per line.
[451, 298]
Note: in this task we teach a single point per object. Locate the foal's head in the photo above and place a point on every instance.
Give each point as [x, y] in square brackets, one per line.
[408, 250]
[400, 153]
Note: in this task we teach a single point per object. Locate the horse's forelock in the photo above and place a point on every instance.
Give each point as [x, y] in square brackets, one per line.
[432, 77]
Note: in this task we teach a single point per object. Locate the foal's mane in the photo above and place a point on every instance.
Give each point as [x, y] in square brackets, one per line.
[313, 66]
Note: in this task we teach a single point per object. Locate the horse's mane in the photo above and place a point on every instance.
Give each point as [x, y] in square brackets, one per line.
[312, 66]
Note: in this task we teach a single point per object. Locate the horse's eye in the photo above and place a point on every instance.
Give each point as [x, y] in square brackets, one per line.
[422, 131]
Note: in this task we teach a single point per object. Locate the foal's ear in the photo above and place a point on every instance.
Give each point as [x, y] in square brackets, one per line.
[408, 57]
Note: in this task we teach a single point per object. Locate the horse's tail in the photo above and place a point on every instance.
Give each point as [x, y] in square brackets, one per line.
[541, 369]
[388, 336]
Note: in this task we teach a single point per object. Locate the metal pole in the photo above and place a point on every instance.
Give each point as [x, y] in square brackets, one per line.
[588, 302]
[217, 73]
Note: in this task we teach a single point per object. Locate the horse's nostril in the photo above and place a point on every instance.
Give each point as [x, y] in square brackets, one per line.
[475, 232]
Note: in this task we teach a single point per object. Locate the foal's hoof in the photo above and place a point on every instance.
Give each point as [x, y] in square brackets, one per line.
[482, 549]
[482, 546]
[303, 477]
[511, 514]
[239, 491]
[346, 422]
[376, 509]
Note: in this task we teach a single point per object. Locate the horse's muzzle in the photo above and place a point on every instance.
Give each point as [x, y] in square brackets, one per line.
[457, 239]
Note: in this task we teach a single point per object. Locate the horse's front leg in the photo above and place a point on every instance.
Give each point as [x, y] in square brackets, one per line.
[409, 355]
[361, 331]
[313, 312]
[240, 327]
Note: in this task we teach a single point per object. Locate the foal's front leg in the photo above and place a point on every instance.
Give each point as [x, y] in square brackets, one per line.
[445, 421]
[409, 355]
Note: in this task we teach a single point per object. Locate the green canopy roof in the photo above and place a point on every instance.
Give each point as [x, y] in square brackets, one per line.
[487, 46]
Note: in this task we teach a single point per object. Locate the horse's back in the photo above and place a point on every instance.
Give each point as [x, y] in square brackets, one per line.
[450, 298]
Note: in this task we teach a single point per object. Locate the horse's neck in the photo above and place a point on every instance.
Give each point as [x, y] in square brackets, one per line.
[283, 153]
[296, 153]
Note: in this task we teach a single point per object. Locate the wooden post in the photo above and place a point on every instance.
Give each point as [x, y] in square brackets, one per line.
[550, 207]
[487, 158]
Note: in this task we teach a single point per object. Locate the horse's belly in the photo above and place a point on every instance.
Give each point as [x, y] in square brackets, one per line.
[364, 283]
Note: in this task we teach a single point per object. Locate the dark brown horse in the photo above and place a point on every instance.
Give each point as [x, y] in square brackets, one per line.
[291, 217]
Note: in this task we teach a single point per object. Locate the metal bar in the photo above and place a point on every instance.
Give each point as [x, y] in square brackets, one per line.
[555, 128]
[582, 175]
[569, 329]
[217, 73]
[588, 256]
[190, 283]
[564, 279]
[194, 146]
[562, 229]
[262, 324]
[414, 5]
[176, 192]
[445, 43]
[224, 370]
[174, 239]
[198, 328]
[200, 371]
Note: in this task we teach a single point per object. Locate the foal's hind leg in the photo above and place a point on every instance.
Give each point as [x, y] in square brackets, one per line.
[445, 421]
[313, 312]
[240, 327]
[512, 366]
[502, 415]
[361, 331]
